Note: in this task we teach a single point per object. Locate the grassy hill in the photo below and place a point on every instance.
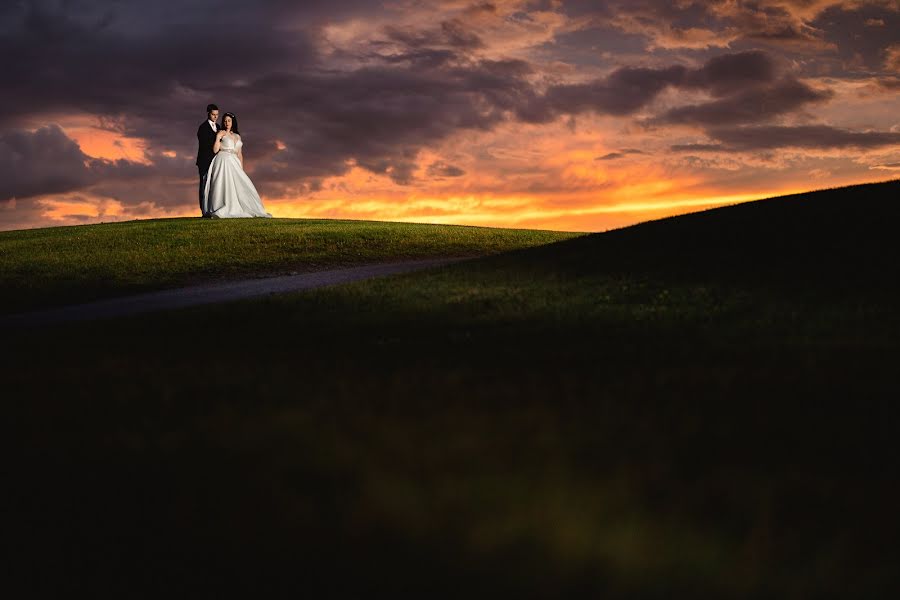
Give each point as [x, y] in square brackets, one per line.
[701, 406]
[61, 265]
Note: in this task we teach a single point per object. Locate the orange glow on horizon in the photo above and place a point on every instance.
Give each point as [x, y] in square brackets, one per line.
[521, 212]
[615, 209]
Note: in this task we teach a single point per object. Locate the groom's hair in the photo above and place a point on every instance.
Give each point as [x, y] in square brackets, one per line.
[210, 108]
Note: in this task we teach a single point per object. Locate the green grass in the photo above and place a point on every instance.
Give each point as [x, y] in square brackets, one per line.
[702, 406]
[42, 267]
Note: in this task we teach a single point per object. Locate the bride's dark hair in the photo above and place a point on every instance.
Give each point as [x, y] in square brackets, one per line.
[234, 127]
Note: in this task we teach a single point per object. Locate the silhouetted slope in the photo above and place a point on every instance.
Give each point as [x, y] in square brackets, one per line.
[837, 237]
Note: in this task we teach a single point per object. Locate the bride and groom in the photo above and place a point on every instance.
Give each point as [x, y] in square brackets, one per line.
[225, 190]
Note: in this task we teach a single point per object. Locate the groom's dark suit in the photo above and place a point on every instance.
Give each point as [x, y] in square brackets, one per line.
[206, 138]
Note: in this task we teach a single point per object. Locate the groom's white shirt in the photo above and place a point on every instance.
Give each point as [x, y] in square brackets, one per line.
[211, 124]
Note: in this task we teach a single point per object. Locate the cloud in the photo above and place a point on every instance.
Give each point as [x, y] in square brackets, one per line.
[860, 32]
[892, 58]
[785, 23]
[698, 148]
[47, 161]
[747, 84]
[629, 89]
[854, 30]
[889, 83]
[619, 154]
[747, 87]
[42, 162]
[451, 33]
[151, 64]
[748, 106]
[818, 137]
[729, 73]
[441, 169]
[702, 25]
[624, 92]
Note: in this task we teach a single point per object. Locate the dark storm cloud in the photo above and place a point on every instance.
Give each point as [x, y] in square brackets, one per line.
[730, 73]
[753, 105]
[624, 92]
[144, 59]
[861, 34]
[46, 161]
[819, 137]
[43, 162]
[806, 136]
[745, 82]
[804, 27]
[748, 87]
[14, 214]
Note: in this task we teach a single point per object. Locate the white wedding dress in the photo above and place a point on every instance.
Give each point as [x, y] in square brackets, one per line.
[229, 192]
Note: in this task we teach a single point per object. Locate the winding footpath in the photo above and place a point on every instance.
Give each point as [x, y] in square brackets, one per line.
[212, 293]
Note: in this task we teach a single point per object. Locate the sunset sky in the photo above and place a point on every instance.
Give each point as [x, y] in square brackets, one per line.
[554, 114]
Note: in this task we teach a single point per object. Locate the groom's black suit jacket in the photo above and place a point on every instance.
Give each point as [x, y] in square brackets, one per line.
[206, 138]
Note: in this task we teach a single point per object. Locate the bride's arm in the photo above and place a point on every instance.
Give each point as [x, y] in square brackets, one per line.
[218, 144]
[239, 153]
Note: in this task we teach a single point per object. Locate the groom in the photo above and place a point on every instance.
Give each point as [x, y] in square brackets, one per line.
[206, 137]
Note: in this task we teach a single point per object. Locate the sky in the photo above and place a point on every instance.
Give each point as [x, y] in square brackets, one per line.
[551, 114]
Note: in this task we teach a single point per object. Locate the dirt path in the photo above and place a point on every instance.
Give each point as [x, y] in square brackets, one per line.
[212, 293]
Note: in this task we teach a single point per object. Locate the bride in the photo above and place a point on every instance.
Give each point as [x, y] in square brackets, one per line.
[229, 192]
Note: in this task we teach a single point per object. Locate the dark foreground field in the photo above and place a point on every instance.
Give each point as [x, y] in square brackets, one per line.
[703, 406]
